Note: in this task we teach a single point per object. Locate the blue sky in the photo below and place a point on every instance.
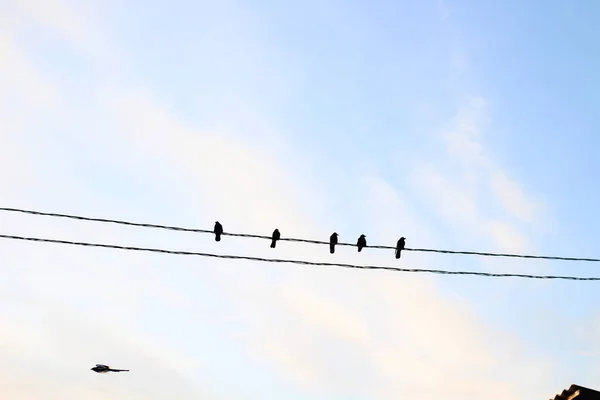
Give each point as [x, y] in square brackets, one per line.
[460, 125]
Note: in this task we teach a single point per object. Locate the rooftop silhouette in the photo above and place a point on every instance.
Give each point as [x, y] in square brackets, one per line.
[576, 392]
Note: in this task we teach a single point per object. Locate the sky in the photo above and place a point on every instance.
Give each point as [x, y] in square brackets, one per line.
[457, 124]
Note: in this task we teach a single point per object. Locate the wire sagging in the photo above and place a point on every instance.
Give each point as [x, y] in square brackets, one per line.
[300, 262]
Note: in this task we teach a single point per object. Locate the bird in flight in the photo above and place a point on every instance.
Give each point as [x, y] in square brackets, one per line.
[276, 236]
[333, 240]
[102, 369]
[218, 231]
[362, 242]
[400, 246]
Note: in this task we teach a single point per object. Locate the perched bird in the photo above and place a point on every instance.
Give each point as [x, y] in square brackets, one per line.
[333, 240]
[102, 369]
[276, 236]
[218, 231]
[362, 242]
[400, 246]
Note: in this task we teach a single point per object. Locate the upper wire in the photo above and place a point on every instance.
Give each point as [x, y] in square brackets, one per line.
[311, 241]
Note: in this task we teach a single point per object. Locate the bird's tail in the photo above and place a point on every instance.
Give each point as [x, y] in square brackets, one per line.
[398, 253]
[273, 244]
[119, 370]
[218, 237]
[332, 248]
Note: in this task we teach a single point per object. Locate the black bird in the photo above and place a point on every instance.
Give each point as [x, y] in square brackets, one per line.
[400, 246]
[362, 242]
[276, 236]
[102, 369]
[218, 231]
[333, 240]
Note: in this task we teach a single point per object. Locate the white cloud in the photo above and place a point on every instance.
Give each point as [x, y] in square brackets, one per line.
[334, 318]
[467, 187]
[513, 198]
[248, 183]
[413, 334]
[31, 86]
[73, 23]
[455, 200]
[57, 15]
[507, 237]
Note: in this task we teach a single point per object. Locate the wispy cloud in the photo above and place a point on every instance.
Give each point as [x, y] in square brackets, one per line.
[468, 187]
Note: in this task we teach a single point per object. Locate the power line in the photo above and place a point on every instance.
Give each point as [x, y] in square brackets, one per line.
[247, 235]
[300, 262]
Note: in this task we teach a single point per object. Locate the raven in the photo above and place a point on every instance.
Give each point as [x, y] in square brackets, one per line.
[332, 242]
[218, 231]
[362, 242]
[400, 246]
[276, 236]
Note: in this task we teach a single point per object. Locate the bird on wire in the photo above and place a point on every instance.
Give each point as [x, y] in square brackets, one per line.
[333, 240]
[276, 236]
[218, 231]
[103, 369]
[362, 242]
[400, 246]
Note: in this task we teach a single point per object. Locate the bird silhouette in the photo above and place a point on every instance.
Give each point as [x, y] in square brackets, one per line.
[333, 240]
[218, 231]
[102, 369]
[276, 236]
[400, 246]
[362, 242]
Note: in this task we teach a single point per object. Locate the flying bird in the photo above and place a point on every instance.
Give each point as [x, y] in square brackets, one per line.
[333, 240]
[276, 236]
[218, 231]
[102, 369]
[362, 242]
[400, 246]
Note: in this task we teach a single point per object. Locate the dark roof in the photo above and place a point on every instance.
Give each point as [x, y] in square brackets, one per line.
[576, 392]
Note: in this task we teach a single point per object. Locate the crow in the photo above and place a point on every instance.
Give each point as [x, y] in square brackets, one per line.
[218, 231]
[102, 369]
[400, 246]
[275, 238]
[333, 240]
[362, 242]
